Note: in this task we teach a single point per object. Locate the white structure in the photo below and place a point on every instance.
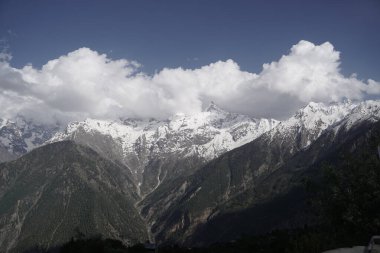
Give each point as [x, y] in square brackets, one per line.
[374, 244]
[356, 249]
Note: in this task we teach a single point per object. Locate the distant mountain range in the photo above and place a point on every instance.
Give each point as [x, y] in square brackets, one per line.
[191, 180]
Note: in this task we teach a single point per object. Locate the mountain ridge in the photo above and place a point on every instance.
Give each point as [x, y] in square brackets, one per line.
[230, 181]
[169, 192]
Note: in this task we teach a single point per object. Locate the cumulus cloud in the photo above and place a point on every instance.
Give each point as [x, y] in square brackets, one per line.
[85, 83]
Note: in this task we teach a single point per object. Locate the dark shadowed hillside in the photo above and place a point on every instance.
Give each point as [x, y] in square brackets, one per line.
[50, 194]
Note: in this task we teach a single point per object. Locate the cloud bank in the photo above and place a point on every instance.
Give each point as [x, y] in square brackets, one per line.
[85, 84]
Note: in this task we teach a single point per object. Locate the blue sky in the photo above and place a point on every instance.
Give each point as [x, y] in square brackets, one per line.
[191, 34]
[221, 46]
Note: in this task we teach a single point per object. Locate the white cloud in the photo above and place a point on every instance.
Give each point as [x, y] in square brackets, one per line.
[85, 83]
[310, 72]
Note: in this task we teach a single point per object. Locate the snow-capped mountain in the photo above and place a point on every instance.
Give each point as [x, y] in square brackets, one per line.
[318, 116]
[365, 111]
[19, 136]
[153, 149]
[308, 123]
[140, 144]
[207, 134]
[234, 186]
[161, 173]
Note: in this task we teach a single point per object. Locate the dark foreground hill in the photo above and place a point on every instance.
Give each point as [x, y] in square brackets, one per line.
[56, 191]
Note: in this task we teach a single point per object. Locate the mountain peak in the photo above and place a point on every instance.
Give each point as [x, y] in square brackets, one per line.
[332, 108]
[214, 108]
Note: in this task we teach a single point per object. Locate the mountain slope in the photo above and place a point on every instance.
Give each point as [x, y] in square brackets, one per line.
[280, 200]
[190, 177]
[157, 151]
[5, 155]
[53, 192]
[255, 173]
